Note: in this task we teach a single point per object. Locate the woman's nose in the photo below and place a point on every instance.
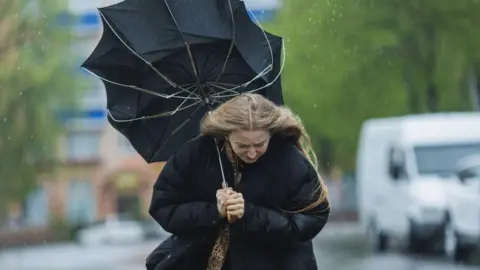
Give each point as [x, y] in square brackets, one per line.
[251, 153]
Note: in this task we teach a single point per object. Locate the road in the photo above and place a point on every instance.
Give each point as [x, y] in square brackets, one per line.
[344, 248]
[339, 247]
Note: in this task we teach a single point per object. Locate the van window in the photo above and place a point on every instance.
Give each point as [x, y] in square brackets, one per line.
[396, 164]
[473, 172]
[442, 159]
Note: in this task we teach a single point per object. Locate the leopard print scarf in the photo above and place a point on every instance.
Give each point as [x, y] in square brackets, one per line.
[220, 248]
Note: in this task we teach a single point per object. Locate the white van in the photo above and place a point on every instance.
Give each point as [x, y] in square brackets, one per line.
[407, 183]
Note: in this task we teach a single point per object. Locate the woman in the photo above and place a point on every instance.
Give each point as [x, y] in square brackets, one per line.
[276, 202]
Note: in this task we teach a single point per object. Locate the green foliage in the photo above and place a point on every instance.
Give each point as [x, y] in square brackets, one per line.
[349, 60]
[37, 76]
[63, 230]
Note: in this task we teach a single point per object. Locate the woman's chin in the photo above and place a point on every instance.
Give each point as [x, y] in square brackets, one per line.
[249, 161]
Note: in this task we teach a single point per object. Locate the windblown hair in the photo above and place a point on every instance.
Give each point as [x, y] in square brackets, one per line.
[253, 112]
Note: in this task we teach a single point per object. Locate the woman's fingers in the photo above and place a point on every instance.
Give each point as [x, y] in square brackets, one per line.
[224, 191]
[223, 194]
[236, 214]
[234, 201]
[235, 198]
[236, 195]
[234, 207]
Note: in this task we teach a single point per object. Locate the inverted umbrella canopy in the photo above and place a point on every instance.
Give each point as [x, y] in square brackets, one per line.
[166, 63]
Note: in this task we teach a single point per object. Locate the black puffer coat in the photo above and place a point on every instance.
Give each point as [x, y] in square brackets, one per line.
[184, 204]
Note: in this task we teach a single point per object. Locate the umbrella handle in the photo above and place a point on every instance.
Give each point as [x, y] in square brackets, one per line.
[230, 219]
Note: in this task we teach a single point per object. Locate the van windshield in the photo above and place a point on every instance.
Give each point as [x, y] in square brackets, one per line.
[442, 159]
[475, 171]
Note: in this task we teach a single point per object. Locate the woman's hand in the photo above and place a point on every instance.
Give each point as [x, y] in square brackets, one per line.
[235, 206]
[222, 196]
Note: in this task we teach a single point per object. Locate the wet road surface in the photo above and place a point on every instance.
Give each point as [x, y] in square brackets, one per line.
[339, 247]
[343, 247]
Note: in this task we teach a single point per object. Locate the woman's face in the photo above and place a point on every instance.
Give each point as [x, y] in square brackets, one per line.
[249, 145]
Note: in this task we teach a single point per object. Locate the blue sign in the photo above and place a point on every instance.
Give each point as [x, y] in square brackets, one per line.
[93, 114]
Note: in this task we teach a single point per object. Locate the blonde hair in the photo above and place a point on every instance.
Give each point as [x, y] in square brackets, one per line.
[253, 111]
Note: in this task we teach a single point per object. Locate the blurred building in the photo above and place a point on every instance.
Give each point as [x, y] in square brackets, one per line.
[100, 173]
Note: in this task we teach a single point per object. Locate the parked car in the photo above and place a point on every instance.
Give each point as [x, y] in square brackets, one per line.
[112, 230]
[153, 230]
[462, 231]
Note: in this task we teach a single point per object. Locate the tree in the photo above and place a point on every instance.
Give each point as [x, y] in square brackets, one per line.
[37, 76]
[350, 60]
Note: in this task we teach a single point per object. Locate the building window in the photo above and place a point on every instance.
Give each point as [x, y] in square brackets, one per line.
[83, 145]
[81, 203]
[35, 209]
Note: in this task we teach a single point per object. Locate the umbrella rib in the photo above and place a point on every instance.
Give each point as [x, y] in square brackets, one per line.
[170, 113]
[179, 108]
[216, 99]
[184, 98]
[223, 84]
[221, 88]
[263, 72]
[269, 67]
[174, 95]
[218, 95]
[174, 132]
[213, 65]
[150, 65]
[234, 29]
[192, 61]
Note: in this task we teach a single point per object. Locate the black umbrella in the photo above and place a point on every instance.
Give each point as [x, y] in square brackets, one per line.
[166, 63]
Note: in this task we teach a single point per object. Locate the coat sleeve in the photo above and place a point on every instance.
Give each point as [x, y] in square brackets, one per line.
[279, 228]
[172, 205]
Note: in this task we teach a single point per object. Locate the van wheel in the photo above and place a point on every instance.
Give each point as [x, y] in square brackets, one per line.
[415, 245]
[454, 249]
[382, 242]
[379, 240]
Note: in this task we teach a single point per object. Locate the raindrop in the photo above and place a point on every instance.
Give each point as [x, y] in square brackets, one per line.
[5, 119]
[18, 68]
[9, 137]
[314, 105]
[21, 93]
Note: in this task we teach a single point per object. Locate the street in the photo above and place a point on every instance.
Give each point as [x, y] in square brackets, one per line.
[342, 247]
[339, 247]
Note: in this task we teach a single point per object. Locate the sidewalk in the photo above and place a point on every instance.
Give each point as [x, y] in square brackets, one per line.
[332, 231]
